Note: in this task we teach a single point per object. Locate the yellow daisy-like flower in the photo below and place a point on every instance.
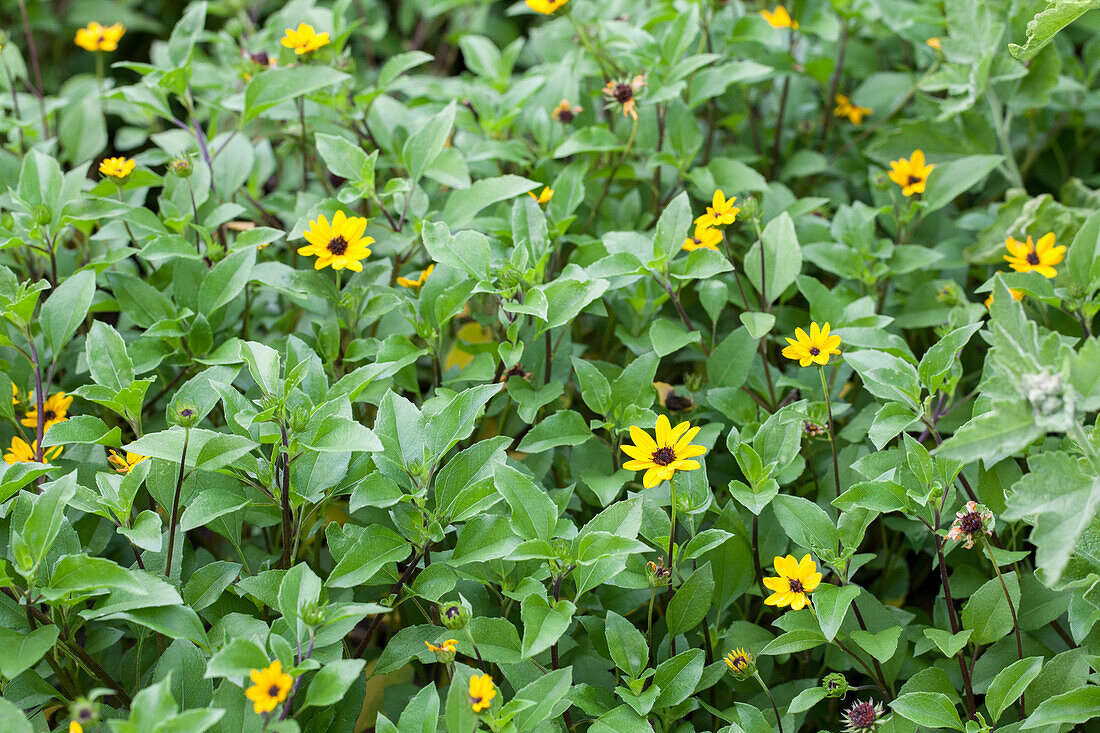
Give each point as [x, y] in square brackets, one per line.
[672, 451]
[738, 660]
[304, 39]
[854, 113]
[119, 168]
[565, 112]
[415, 284]
[124, 463]
[23, 452]
[910, 174]
[546, 7]
[797, 580]
[269, 687]
[934, 43]
[720, 212]
[1040, 257]
[337, 246]
[482, 692]
[444, 646]
[814, 348]
[544, 196]
[96, 37]
[779, 18]
[55, 409]
[705, 237]
[14, 394]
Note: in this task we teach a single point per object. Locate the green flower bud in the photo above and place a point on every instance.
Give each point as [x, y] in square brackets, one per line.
[454, 615]
[741, 664]
[84, 711]
[181, 166]
[184, 414]
[834, 684]
[313, 614]
[693, 381]
[42, 215]
[299, 419]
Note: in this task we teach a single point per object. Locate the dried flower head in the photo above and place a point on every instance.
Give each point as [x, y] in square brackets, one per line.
[863, 717]
[973, 520]
[625, 93]
[657, 574]
[566, 112]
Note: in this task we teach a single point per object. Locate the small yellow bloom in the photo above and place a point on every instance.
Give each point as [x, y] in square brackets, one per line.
[815, 348]
[14, 394]
[304, 39]
[337, 246]
[482, 692]
[444, 646]
[543, 197]
[1040, 257]
[415, 284]
[720, 212]
[124, 464]
[738, 660]
[625, 93]
[672, 451]
[23, 452]
[854, 113]
[934, 43]
[75, 727]
[55, 409]
[911, 174]
[797, 580]
[269, 687]
[779, 18]
[96, 37]
[546, 7]
[565, 112]
[119, 168]
[705, 237]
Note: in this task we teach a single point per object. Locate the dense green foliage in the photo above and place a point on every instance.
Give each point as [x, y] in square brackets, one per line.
[560, 365]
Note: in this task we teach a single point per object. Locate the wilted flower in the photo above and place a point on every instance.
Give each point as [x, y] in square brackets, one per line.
[741, 663]
[55, 409]
[657, 574]
[304, 39]
[117, 168]
[96, 37]
[815, 348]
[797, 580]
[779, 18]
[544, 196]
[911, 174]
[669, 453]
[835, 685]
[516, 370]
[813, 430]
[973, 520]
[863, 717]
[270, 687]
[337, 246]
[705, 237]
[420, 279]
[666, 395]
[625, 93]
[565, 112]
[445, 652]
[1040, 257]
[482, 692]
[854, 113]
[124, 463]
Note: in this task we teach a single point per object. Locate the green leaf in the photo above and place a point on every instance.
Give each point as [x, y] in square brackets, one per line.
[422, 147]
[832, 604]
[805, 523]
[672, 227]
[467, 251]
[82, 429]
[992, 436]
[668, 337]
[543, 624]
[360, 552]
[275, 86]
[534, 515]
[545, 693]
[12, 719]
[107, 357]
[23, 650]
[949, 180]
[930, 709]
[465, 203]
[331, 683]
[564, 427]
[1075, 706]
[987, 612]
[759, 325]
[678, 677]
[729, 364]
[1009, 684]
[691, 601]
[882, 645]
[485, 537]
[226, 280]
[65, 309]
[1047, 23]
[797, 640]
[948, 643]
[347, 160]
[237, 659]
[627, 645]
[782, 258]
[805, 700]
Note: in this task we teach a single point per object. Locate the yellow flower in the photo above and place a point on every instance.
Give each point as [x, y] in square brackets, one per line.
[269, 687]
[720, 212]
[75, 727]
[482, 692]
[565, 112]
[544, 196]
[669, 453]
[854, 113]
[470, 333]
[779, 18]
[119, 168]
[338, 246]
[797, 580]
[813, 349]
[705, 237]
[444, 646]
[625, 93]
[546, 7]
[407, 283]
[305, 39]
[23, 452]
[14, 394]
[738, 660]
[124, 464]
[910, 174]
[96, 37]
[1037, 257]
[55, 409]
[934, 43]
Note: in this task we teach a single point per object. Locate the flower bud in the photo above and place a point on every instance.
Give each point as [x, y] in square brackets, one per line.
[693, 381]
[657, 574]
[42, 215]
[1052, 401]
[834, 684]
[184, 414]
[84, 711]
[741, 663]
[454, 615]
[314, 613]
[298, 421]
[181, 166]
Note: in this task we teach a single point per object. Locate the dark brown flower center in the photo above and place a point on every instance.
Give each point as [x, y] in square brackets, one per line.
[338, 245]
[475, 699]
[49, 415]
[862, 715]
[971, 523]
[664, 455]
[814, 351]
[676, 403]
[273, 691]
[796, 586]
[1032, 258]
[739, 662]
[914, 180]
[566, 116]
[623, 93]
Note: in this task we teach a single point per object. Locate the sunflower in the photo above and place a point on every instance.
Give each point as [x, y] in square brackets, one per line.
[23, 452]
[96, 37]
[124, 464]
[779, 18]
[544, 196]
[304, 39]
[813, 349]
[854, 113]
[720, 212]
[546, 7]
[269, 687]
[482, 692]
[118, 168]
[338, 246]
[420, 280]
[566, 112]
[669, 453]
[705, 237]
[1040, 257]
[55, 409]
[797, 580]
[911, 174]
[625, 93]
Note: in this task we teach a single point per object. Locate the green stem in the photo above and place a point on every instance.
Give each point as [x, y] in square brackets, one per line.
[671, 563]
[832, 430]
[1012, 612]
[778, 720]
